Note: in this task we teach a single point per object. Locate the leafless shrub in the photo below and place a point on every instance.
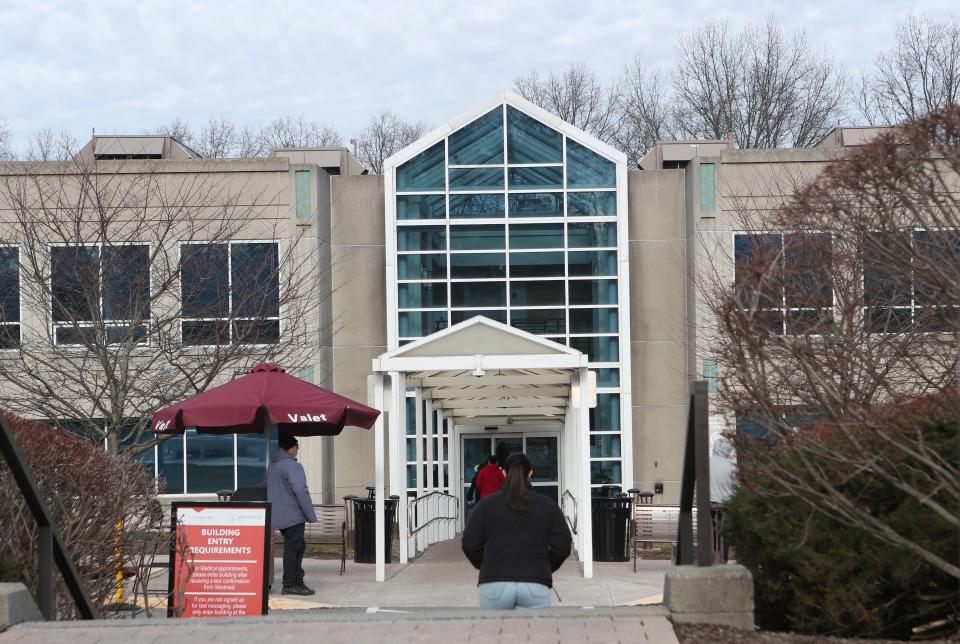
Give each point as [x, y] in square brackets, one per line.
[105, 508]
[846, 300]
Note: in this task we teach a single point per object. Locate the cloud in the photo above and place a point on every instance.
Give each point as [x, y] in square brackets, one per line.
[126, 66]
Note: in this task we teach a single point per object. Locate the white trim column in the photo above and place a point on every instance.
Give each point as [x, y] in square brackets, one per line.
[380, 567]
[398, 457]
[568, 461]
[418, 545]
[430, 430]
[578, 398]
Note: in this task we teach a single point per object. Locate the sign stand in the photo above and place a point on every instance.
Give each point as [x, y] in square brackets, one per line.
[219, 559]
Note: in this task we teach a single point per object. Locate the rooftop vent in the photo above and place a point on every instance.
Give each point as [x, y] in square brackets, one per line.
[119, 148]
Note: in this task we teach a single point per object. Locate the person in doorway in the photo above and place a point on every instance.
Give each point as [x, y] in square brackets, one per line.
[517, 539]
[489, 478]
[292, 509]
[722, 486]
[722, 470]
[472, 496]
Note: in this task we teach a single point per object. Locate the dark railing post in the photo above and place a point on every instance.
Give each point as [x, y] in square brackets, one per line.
[701, 445]
[45, 598]
[52, 549]
[696, 475]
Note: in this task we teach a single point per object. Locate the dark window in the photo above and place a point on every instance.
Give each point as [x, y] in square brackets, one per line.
[784, 282]
[886, 283]
[936, 280]
[126, 157]
[100, 293]
[205, 281]
[231, 293]
[9, 298]
[910, 281]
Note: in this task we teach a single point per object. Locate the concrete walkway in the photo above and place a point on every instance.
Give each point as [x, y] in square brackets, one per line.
[442, 577]
[431, 599]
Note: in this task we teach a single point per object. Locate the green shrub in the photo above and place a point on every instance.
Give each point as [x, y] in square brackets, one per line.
[815, 575]
[11, 569]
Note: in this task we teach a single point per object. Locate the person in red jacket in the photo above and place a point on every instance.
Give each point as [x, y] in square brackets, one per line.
[489, 478]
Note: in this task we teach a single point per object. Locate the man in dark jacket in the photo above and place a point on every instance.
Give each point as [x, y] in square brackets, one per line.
[291, 509]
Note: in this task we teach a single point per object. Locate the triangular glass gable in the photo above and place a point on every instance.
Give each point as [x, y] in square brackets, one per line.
[480, 142]
[586, 169]
[423, 172]
[530, 141]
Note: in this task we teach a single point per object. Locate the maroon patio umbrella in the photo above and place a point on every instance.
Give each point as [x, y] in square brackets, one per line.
[265, 395]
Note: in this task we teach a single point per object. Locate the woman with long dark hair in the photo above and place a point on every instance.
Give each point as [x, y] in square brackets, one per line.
[517, 538]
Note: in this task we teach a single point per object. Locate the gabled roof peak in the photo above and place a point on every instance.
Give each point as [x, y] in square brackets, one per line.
[513, 99]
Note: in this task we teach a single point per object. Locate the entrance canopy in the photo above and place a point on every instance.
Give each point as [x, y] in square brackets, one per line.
[482, 372]
[479, 373]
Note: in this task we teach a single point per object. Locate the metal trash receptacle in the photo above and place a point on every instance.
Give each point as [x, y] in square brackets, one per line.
[611, 527]
[365, 518]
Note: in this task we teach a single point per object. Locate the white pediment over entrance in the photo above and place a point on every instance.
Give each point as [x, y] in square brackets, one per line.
[484, 371]
[480, 335]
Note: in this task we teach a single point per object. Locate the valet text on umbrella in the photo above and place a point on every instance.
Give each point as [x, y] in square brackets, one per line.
[307, 418]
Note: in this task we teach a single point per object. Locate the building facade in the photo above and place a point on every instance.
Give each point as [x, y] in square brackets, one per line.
[505, 213]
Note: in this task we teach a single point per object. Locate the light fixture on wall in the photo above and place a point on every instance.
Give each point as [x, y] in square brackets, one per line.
[509, 420]
[478, 370]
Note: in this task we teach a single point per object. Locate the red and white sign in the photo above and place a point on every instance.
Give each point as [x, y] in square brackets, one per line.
[219, 563]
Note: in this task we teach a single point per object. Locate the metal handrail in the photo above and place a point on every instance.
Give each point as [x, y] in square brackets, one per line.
[563, 508]
[411, 506]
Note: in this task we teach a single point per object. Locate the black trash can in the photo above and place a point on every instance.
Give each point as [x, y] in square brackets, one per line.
[365, 517]
[611, 527]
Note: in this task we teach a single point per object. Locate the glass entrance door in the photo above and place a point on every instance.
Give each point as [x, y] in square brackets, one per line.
[541, 450]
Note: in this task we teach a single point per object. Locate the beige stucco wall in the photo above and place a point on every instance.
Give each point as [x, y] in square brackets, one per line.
[657, 323]
[359, 313]
[261, 194]
[749, 185]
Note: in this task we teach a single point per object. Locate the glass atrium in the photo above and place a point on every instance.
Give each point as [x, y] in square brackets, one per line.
[512, 219]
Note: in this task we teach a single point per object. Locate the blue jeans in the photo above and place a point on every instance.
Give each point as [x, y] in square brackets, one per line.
[507, 595]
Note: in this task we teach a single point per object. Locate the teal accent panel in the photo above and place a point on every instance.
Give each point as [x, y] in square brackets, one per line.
[304, 201]
[708, 186]
[710, 375]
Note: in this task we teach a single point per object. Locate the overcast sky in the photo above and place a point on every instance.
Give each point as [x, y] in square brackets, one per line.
[123, 67]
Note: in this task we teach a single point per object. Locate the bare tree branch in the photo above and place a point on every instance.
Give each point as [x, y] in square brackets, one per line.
[646, 111]
[578, 97]
[385, 135]
[840, 335]
[220, 138]
[140, 294]
[920, 73]
[767, 88]
[6, 154]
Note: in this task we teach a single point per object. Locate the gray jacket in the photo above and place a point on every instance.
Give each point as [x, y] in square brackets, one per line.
[287, 492]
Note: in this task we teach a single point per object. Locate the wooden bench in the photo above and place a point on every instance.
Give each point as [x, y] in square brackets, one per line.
[656, 524]
[331, 527]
